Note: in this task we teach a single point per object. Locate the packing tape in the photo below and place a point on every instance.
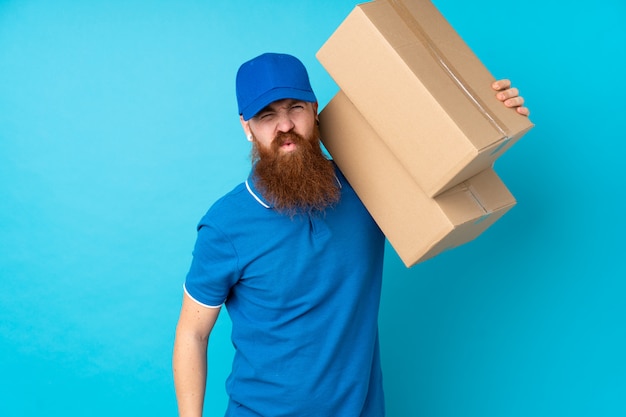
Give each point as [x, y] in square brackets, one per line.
[421, 34]
[479, 202]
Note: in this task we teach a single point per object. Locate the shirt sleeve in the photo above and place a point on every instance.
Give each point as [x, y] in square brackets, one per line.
[214, 267]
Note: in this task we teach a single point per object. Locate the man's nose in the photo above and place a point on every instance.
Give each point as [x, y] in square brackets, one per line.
[285, 124]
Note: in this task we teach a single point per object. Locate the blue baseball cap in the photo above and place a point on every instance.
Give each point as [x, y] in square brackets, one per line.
[270, 77]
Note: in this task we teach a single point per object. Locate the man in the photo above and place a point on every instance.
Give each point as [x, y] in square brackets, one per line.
[296, 259]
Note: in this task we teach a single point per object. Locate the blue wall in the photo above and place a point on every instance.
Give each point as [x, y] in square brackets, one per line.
[118, 128]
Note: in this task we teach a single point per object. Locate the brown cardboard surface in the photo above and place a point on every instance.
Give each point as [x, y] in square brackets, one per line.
[422, 90]
[417, 226]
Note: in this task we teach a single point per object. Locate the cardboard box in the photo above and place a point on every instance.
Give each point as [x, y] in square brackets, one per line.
[422, 90]
[417, 226]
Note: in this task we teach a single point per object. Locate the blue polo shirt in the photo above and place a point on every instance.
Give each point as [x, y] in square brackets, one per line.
[303, 295]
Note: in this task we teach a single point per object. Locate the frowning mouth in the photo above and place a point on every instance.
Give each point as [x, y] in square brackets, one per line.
[287, 142]
[288, 146]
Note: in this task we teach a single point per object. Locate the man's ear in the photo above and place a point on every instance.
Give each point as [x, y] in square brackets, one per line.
[245, 125]
[317, 116]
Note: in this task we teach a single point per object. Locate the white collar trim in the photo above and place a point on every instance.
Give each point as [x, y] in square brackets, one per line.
[256, 197]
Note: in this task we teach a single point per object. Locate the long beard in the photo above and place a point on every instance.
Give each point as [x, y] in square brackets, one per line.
[301, 181]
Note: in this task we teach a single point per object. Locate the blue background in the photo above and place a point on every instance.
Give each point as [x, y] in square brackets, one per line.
[119, 127]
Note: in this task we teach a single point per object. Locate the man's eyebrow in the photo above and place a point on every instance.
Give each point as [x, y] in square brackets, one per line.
[287, 102]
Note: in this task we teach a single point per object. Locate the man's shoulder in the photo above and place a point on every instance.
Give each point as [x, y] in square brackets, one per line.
[234, 196]
[242, 203]
[230, 204]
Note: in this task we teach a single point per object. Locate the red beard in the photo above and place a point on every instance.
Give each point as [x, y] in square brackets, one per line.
[300, 181]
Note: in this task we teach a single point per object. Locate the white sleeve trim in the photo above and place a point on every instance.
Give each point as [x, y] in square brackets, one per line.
[198, 302]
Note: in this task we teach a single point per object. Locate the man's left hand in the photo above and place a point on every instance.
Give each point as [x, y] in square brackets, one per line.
[510, 96]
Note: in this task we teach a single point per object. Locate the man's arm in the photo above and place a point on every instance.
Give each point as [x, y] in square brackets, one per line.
[510, 96]
[190, 355]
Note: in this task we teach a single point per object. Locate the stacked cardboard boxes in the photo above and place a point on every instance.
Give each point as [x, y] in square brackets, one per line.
[416, 127]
